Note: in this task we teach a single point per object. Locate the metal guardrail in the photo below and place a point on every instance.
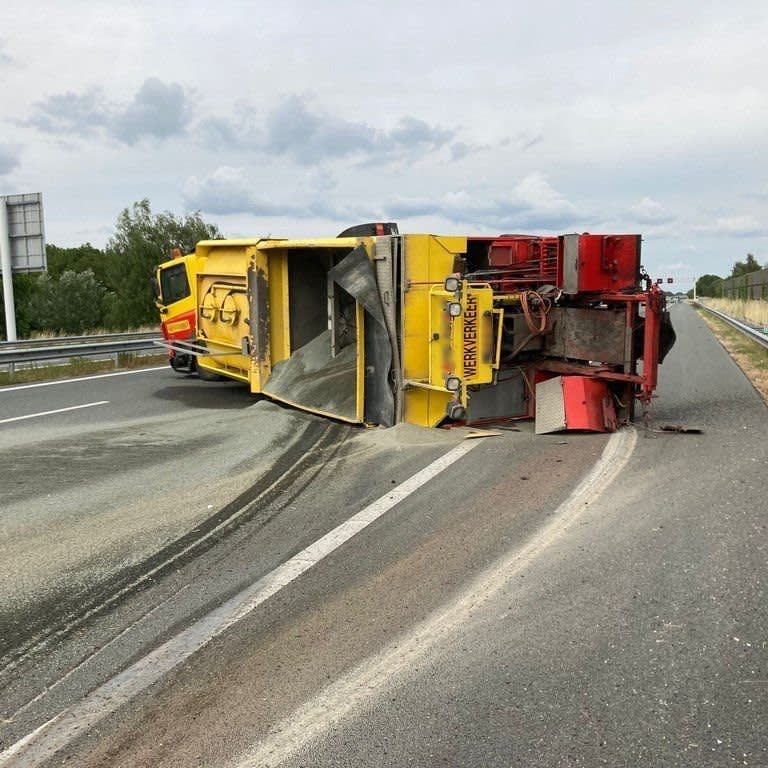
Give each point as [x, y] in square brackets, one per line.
[54, 341]
[12, 353]
[752, 333]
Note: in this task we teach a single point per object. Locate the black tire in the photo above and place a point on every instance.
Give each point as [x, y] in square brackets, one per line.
[182, 363]
[370, 230]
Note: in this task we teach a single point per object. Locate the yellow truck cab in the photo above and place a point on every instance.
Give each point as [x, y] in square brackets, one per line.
[174, 285]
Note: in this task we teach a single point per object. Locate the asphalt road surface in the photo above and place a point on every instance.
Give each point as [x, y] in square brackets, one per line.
[559, 600]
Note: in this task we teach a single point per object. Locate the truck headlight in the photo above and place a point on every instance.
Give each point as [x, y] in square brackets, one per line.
[452, 284]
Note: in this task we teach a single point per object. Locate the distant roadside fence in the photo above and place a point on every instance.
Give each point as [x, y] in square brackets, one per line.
[753, 285]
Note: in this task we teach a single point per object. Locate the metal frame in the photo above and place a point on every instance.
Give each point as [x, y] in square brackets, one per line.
[49, 349]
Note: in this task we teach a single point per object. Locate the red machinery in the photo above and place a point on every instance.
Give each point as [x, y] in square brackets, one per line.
[578, 307]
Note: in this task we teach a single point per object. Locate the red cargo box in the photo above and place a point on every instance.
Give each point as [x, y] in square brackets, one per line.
[600, 263]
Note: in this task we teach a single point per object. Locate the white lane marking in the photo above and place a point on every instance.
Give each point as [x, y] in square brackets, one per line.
[21, 743]
[60, 730]
[81, 378]
[376, 675]
[51, 413]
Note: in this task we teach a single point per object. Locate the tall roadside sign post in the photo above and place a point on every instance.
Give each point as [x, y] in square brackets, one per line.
[22, 246]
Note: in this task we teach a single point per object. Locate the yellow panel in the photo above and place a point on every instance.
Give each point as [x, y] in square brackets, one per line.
[226, 256]
[360, 339]
[427, 261]
[279, 311]
[325, 242]
[223, 312]
[425, 408]
[178, 326]
[223, 309]
[475, 337]
[441, 334]
[206, 247]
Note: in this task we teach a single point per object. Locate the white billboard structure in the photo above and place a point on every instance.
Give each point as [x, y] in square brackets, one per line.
[22, 246]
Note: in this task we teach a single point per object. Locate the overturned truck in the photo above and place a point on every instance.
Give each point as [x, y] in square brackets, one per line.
[377, 327]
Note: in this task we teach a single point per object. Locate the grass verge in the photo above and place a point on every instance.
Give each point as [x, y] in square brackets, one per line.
[753, 311]
[748, 355]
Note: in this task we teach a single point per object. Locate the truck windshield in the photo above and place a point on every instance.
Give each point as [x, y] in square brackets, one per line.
[173, 283]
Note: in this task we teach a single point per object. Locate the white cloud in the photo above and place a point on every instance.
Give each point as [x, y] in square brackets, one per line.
[649, 211]
[5, 59]
[653, 122]
[531, 204]
[229, 191]
[310, 136]
[322, 179]
[157, 110]
[735, 226]
[9, 158]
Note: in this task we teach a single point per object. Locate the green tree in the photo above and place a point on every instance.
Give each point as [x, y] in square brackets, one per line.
[72, 303]
[24, 288]
[745, 267]
[78, 259]
[141, 241]
[709, 285]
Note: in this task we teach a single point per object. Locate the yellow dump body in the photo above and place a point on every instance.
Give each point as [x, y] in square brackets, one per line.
[361, 329]
[261, 302]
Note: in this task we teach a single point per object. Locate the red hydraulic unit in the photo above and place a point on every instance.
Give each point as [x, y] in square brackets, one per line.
[583, 329]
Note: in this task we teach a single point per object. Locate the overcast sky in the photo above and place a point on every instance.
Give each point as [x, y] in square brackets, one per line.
[300, 118]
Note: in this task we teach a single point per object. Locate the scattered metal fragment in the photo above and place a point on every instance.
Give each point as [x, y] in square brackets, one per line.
[475, 433]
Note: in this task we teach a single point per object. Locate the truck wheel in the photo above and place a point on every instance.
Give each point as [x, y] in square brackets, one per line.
[370, 230]
[181, 364]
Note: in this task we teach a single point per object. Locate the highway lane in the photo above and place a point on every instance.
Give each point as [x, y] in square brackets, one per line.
[125, 392]
[441, 635]
[309, 486]
[639, 640]
[89, 493]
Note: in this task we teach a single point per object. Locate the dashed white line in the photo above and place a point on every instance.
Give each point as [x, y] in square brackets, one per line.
[55, 734]
[77, 380]
[352, 693]
[55, 411]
